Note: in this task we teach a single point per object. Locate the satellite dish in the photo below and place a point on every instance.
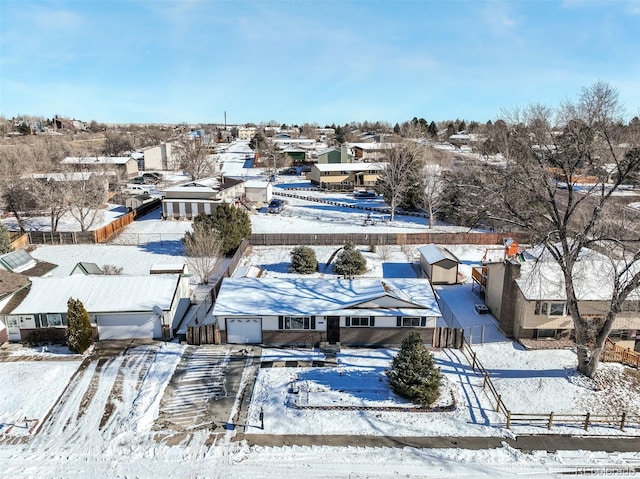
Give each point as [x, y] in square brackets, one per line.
[157, 310]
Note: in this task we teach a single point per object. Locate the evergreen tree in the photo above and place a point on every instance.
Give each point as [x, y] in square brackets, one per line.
[413, 374]
[350, 261]
[5, 239]
[79, 332]
[433, 129]
[303, 260]
[233, 225]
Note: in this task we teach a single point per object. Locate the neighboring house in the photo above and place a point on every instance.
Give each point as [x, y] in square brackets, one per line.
[371, 151]
[86, 268]
[334, 155]
[282, 142]
[258, 191]
[526, 294]
[439, 264]
[190, 199]
[13, 289]
[246, 132]
[75, 179]
[123, 166]
[312, 311]
[346, 176]
[119, 306]
[159, 157]
[294, 154]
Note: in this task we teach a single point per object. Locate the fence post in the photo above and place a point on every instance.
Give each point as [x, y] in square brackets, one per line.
[498, 403]
[508, 419]
[473, 363]
[624, 417]
[484, 382]
[550, 423]
[586, 421]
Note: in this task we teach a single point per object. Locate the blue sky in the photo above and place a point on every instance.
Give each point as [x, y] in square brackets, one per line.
[316, 61]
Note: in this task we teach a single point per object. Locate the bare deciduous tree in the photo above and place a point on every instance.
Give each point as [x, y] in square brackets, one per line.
[400, 173]
[193, 157]
[203, 247]
[88, 195]
[17, 196]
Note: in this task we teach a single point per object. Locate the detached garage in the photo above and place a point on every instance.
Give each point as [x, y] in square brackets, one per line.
[120, 307]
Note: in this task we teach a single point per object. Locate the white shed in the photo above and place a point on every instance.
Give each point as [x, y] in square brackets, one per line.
[258, 191]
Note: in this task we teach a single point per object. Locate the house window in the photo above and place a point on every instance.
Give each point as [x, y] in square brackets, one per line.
[297, 322]
[620, 334]
[545, 308]
[54, 320]
[360, 321]
[545, 333]
[411, 321]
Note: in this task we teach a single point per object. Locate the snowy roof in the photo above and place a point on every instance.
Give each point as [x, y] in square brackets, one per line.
[100, 293]
[373, 146]
[358, 166]
[256, 184]
[107, 160]
[320, 296]
[541, 277]
[433, 253]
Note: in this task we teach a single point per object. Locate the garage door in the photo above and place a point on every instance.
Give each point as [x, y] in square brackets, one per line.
[134, 326]
[244, 330]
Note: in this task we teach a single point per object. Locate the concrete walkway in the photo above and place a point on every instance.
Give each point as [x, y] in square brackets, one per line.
[525, 443]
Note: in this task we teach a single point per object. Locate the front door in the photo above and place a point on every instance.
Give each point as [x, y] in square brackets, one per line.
[333, 329]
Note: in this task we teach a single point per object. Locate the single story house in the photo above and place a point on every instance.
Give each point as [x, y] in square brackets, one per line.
[188, 200]
[345, 176]
[313, 311]
[119, 306]
[526, 294]
[123, 166]
[438, 264]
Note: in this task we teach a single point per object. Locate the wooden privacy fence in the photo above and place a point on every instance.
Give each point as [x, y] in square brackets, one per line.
[61, 237]
[584, 420]
[271, 239]
[103, 234]
[203, 334]
[448, 338]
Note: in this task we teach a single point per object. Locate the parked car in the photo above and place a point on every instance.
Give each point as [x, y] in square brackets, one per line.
[151, 178]
[138, 180]
[276, 206]
[364, 194]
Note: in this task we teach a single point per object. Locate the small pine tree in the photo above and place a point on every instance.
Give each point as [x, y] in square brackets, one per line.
[79, 333]
[303, 260]
[350, 261]
[233, 225]
[5, 239]
[413, 374]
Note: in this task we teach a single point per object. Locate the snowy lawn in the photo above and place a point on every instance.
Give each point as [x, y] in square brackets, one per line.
[358, 380]
[34, 388]
[384, 262]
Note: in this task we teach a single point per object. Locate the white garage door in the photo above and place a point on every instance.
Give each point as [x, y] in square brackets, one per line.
[244, 330]
[133, 326]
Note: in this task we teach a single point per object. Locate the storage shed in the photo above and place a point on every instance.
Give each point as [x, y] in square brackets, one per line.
[439, 264]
